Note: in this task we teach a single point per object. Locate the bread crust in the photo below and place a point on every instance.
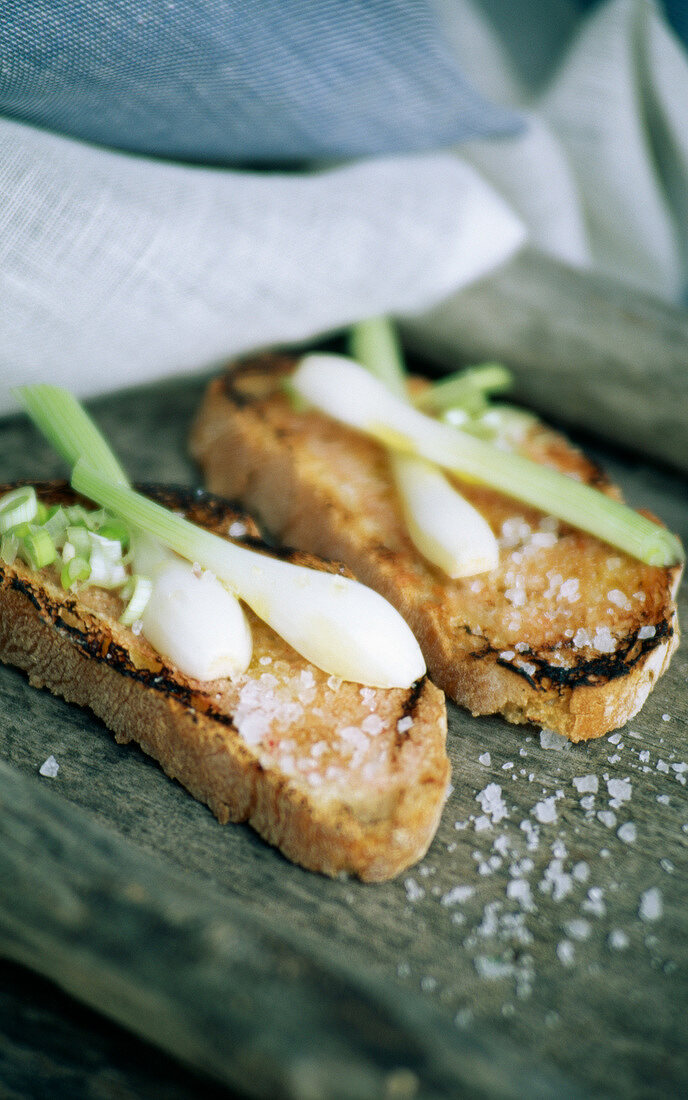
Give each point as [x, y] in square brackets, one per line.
[318, 485]
[371, 815]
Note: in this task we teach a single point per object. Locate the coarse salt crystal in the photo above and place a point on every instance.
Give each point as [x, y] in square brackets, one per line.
[550, 739]
[651, 906]
[507, 655]
[404, 724]
[518, 890]
[485, 759]
[662, 766]
[569, 590]
[457, 895]
[603, 640]
[618, 598]
[49, 767]
[646, 632]
[566, 953]
[545, 811]
[627, 832]
[581, 638]
[586, 784]
[516, 596]
[414, 891]
[578, 928]
[492, 803]
[373, 725]
[581, 872]
[236, 529]
[618, 940]
[607, 817]
[620, 790]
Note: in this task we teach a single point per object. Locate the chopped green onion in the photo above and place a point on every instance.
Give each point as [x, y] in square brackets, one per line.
[466, 389]
[348, 393]
[336, 623]
[9, 547]
[41, 513]
[18, 506]
[69, 428]
[38, 549]
[56, 524]
[114, 529]
[137, 592]
[75, 570]
[78, 538]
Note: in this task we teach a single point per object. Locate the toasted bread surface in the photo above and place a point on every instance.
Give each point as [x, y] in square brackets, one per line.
[341, 778]
[567, 632]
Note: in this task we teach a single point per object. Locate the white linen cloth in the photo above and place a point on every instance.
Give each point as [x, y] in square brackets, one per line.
[117, 269]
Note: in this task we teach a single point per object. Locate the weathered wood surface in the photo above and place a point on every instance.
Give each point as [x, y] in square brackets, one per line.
[569, 965]
[585, 349]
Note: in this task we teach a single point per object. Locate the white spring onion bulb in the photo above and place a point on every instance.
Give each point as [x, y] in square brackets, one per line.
[348, 393]
[194, 621]
[447, 530]
[190, 617]
[337, 624]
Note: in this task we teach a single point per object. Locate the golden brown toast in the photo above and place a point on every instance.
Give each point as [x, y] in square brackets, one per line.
[566, 632]
[339, 777]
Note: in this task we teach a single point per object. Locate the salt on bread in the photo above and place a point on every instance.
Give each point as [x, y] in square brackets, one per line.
[567, 632]
[339, 777]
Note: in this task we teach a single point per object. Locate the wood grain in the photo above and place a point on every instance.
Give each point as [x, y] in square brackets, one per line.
[586, 350]
[479, 984]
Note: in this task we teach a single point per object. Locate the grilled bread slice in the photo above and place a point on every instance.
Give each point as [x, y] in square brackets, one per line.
[566, 632]
[339, 777]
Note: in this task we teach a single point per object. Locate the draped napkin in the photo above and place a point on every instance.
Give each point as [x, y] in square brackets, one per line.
[183, 181]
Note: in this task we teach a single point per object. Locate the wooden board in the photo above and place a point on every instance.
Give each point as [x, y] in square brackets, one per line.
[534, 957]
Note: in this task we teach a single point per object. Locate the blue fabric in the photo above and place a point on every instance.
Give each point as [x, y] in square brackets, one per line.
[240, 81]
[676, 12]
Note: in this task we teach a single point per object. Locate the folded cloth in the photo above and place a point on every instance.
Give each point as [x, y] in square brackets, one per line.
[117, 268]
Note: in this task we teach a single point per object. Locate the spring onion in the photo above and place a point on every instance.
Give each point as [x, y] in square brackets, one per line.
[336, 623]
[9, 548]
[348, 393]
[75, 570]
[444, 527]
[18, 506]
[38, 549]
[137, 593]
[467, 389]
[68, 428]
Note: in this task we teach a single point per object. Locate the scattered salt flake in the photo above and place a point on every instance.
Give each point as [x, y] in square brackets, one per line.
[628, 833]
[581, 638]
[587, 801]
[578, 928]
[651, 906]
[607, 817]
[49, 767]
[620, 791]
[570, 590]
[507, 654]
[519, 890]
[373, 724]
[549, 739]
[594, 902]
[586, 784]
[618, 598]
[566, 953]
[492, 803]
[404, 724]
[493, 970]
[457, 895]
[615, 738]
[265, 660]
[581, 872]
[646, 632]
[663, 799]
[414, 891]
[644, 756]
[485, 759]
[556, 881]
[680, 767]
[662, 766]
[603, 641]
[236, 529]
[667, 866]
[545, 811]
[618, 940]
[666, 717]
[482, 823]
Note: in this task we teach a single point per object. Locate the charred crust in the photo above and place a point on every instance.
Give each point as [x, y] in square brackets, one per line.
[584, 673]
[253, 379]
[409, 707]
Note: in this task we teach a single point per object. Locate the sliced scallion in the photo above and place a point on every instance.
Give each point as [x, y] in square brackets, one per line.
[347, 392]
[38, 549]
[9, 548]
[17, 507]
[74, 571]
[467, 389]
[137, 593]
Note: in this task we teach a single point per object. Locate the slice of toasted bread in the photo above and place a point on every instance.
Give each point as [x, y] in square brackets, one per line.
[566, 632]
[339, 777]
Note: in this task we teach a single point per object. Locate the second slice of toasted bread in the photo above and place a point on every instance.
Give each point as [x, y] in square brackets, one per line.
[341, 778]
[566, 632]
